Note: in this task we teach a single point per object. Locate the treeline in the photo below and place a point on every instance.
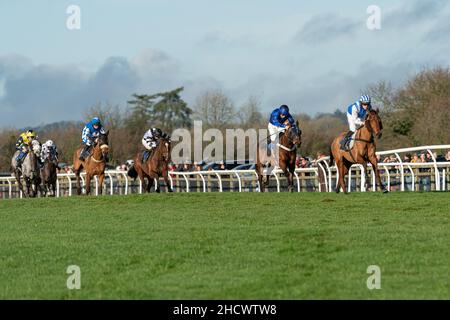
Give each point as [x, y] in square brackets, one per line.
[416, 113]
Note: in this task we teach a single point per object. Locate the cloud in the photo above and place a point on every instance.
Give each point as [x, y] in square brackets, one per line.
[324, 28]
[34, 94]
[320, 93]
[413, 13]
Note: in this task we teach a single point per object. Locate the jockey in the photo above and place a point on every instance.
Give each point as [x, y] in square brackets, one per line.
[48, 148]
[91, 131]
[279, 119]
[23, 143]
[356, 113]
[150, 140]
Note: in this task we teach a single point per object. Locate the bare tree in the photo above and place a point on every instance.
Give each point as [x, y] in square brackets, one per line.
[215, 109]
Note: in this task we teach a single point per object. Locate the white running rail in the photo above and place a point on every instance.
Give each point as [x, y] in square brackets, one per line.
[399, 175]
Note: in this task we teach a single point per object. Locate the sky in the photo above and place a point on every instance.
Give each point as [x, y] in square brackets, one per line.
[315, 56]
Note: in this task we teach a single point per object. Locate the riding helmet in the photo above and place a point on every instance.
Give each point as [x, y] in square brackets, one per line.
[365, 99]
[284, 110]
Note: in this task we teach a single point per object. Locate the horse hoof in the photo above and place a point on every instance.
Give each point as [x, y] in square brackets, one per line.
[385, 191]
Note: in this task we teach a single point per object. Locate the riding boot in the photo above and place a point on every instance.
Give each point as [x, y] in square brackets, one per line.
[20, 158]
[145, 156]
[345, 143]
[85, 152]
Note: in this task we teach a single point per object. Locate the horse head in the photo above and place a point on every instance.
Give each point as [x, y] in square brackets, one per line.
[165, 145]
[292, 135]
[373, 123]
[36, 148]
[103, 143]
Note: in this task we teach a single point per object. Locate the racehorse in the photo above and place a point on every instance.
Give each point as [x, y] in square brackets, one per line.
[156, 166]
[49, 174]
[363, 151]
[94, 164]
[289, 141]
[29, 169]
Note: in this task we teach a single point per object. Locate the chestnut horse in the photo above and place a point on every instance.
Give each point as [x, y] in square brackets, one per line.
[94, 165]
[289, 140]
[362, 152]
[156, 166]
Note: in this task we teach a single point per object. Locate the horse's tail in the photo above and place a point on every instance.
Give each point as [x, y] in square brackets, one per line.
[331, 157]
[132, 172]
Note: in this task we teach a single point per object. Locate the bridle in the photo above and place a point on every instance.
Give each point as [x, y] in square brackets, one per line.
[290, 140]
[369, 128]
[102, 147]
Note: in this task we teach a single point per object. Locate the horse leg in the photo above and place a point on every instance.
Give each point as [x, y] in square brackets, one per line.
[289, 177]
[167, 181]
[54, 189]
[77, 174]
[258, 169]
[342, 173]
[149, 184]
[101, 179]
[19, 182]
[374, 163]
[28, 185]
[88, 184]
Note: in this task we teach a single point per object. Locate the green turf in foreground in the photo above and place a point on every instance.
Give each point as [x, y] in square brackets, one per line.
[227, 246]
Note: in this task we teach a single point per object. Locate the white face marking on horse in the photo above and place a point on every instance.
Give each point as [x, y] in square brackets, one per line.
[167, 144]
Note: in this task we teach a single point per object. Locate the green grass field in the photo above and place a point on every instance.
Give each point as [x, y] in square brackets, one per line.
[227, 246]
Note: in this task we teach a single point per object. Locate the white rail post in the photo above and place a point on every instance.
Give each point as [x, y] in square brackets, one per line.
[363, 179]
[203, 182]
[349, 187]
[83, 183]
[402, 172]
[171, 180]
[436, 171]
[111, 184]
[70, 184]
[187, 182]
[278, 181]
[444, 184]
[330, 180]
[388, 176]
[220, 182]
[10, 187]
[374, 180]
[126, 182]
[96, 185]
[413, 178]
[57, 188]
[239, 181]
[298, 181]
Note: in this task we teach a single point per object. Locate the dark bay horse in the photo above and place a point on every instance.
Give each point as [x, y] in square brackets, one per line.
[362, 152]
[289, 141]
[94, 165]
[156, 166]
[49, 174]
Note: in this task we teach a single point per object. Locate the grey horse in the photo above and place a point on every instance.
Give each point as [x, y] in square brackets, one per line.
[29, 170]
